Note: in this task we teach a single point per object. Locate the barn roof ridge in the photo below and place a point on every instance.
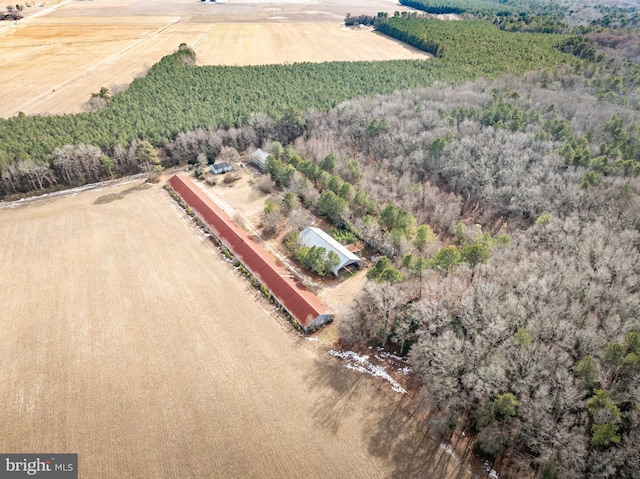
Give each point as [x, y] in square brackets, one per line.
[303, 305]
[314, 236]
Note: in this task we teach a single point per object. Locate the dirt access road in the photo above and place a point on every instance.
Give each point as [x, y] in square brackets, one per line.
[127, 339]
[50, 64]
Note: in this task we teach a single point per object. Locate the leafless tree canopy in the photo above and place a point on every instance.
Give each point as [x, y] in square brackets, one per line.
[536, 352]
[533, 352]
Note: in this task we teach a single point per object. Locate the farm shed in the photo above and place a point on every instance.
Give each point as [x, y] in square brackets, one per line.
[219, 168]
[312, 236]
[300, 303]
[259, 158]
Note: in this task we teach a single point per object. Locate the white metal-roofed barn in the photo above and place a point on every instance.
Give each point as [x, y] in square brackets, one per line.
[312, 236]
[303, 305]
[259, 158]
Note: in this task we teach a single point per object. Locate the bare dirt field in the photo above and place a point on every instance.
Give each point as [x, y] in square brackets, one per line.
[52, 61]
[127, 339]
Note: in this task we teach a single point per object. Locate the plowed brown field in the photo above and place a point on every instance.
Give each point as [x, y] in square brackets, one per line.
[51, 62]
[126, 338]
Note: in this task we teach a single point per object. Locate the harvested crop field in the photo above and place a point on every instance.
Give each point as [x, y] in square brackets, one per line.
[264, 43]
[51, 62]
[127, 339]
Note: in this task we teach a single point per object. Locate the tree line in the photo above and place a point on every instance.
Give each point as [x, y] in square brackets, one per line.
[506, 211]
[176, 96]
[481, 8]
[477, 44]
[533, 351]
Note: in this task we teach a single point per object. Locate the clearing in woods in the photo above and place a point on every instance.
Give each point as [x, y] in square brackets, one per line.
[51, 62]
[128, 339]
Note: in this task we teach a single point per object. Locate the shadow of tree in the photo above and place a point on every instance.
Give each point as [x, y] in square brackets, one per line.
[105, 199]
[410, 448]
[334, 404]
[392, 433]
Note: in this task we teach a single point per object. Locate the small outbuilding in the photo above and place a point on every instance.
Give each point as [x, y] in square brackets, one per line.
[219, 168]
[309, 312]
[259, 158]
[312, 236]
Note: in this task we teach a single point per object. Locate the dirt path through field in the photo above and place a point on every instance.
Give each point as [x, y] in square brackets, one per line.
[109, 60]
[53, 61]
[126, 338]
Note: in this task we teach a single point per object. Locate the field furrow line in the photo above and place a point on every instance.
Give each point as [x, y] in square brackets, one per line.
[109, 59]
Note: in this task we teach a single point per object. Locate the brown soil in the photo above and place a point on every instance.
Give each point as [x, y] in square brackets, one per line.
[54, 59]
[128, 339]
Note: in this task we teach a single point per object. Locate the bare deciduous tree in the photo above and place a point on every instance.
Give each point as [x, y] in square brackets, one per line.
[299, 218]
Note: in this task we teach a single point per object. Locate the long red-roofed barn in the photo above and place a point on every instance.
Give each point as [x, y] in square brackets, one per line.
[300, 303]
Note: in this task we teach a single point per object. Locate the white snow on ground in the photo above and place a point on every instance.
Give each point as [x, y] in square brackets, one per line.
[385, 355]
[490, 471]
[361, 364]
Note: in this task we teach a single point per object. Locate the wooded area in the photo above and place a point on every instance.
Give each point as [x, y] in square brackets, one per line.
[526, 340]
[176, 96]
[498, 184]
[533, 350]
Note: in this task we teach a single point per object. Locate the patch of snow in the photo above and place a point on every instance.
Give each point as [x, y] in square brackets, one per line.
[313, 339]
[355, 362]
[385, 355]
[492, 473]
[404, 371]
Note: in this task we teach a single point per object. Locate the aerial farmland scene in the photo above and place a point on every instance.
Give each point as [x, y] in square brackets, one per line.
[320, 239]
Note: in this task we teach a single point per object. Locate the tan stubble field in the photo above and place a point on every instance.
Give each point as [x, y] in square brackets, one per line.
[124, 336]
[52, 63]
[127, 339]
